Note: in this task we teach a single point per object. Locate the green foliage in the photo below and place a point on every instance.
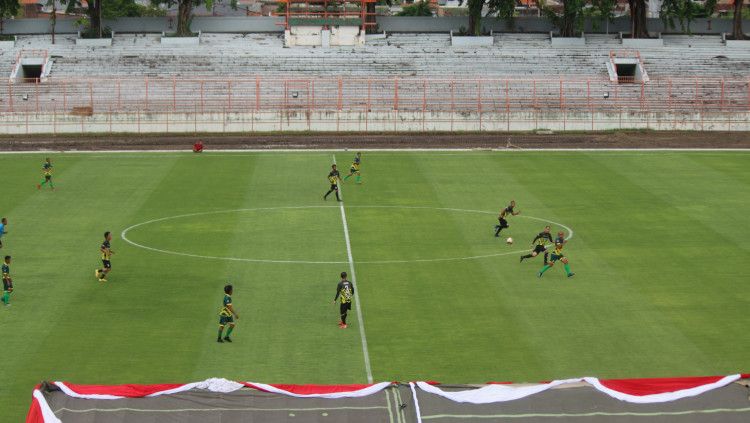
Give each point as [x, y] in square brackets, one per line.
[419, 8]
[9, 8]
[113, 9]
[684, 12]
[570, 21]
[600, 11]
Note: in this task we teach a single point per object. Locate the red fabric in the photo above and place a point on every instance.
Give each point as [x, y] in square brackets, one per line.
[657, 385]
[129, 391]
[745, 376]
[198, 147]
[313, 389]
[35, 413]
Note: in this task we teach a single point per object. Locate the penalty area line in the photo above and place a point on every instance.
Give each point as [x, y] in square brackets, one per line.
[357, 307]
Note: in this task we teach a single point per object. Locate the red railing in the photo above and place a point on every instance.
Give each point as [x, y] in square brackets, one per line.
[180, 95]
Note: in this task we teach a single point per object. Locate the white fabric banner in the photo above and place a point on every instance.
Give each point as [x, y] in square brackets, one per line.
[493, 393]
[350, 394]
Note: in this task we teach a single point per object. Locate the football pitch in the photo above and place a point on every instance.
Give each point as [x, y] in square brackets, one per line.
[659, 242]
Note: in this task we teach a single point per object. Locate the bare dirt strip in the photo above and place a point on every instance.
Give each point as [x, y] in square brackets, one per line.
[620, 139]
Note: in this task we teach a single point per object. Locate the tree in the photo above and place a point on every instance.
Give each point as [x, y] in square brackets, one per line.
[185, 12]
[601, 11]
[685, 12]
[8, 9]
[93, 12]
[638, 9]
[501, 8]
[569, 20]
[737, 32]
[419, 8]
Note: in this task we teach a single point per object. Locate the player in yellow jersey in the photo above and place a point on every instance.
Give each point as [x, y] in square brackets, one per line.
[354, 170]
[47, 171]
[333, 178]
[107, 252]
[556, 255]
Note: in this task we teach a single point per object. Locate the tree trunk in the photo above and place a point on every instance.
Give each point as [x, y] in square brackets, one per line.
[370, 18]
[737, 32]
[567, 23]
[53, 18]
[95, 13]
[475, 17]
[638, 20]
[184, 13]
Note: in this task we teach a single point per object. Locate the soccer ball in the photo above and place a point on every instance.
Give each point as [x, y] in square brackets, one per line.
[509, 241]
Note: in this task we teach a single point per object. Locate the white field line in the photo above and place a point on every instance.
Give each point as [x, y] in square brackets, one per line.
[394, 150]
[361, 321]
[124, 237]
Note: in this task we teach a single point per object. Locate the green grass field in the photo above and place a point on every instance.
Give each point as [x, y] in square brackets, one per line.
[659, 248]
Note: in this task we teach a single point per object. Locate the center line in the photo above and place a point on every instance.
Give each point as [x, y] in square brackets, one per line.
[362, 336]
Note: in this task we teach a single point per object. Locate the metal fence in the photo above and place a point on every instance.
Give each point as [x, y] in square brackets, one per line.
[374, 95]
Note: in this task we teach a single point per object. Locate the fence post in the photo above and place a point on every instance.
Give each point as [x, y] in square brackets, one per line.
[339, 102]
[424, 101]
[91, 95]
[174, 97]
[561, 94]
[36, 89]
[479, 102]
[722, 93]
[395, 93]
[118, 95]
[229, 94]
[146, 108]
[202, 104]
[10, 95]
[453, 101]
[257, 93]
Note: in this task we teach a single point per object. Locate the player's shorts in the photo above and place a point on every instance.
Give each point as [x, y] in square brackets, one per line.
[503, 223]
[540, 249]
[47, 177]
[223, 320]
[7, 285]
[353, 170]
[345, 307]
[334, 187]
[554, 257]
[106, 264]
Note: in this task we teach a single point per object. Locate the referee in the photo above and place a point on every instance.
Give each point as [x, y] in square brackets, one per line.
[344, 291]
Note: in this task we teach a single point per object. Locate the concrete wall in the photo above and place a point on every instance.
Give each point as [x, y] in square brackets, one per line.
[241, 24]
[272, 121]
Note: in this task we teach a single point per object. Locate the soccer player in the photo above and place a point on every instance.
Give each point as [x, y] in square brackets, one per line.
[7, 282]
[198, 147]
[3, 224]
[227, 315]
[541, 241]
[107, 252]
[354, 170]
[47, 171]
[506, 212]
[344, 291]
[333, 178]
[558, 255]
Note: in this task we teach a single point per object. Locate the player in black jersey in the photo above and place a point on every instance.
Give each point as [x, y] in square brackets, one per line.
[344, 291]
[508, 211]
[333, 178]
[540, 244]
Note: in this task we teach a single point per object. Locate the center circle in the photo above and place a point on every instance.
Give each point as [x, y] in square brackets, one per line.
[314, 234]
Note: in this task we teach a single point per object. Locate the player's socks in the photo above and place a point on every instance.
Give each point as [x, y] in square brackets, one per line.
[526, 256]
[498, 228]
[6, 297]
[544, 269]
[347, 177]
[567, 269]
[219, 338]
[229, 332]
[337, 196]
[358, 179]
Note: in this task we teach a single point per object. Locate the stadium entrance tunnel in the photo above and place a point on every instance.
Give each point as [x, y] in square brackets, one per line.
[626, 68]
[30, 69]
